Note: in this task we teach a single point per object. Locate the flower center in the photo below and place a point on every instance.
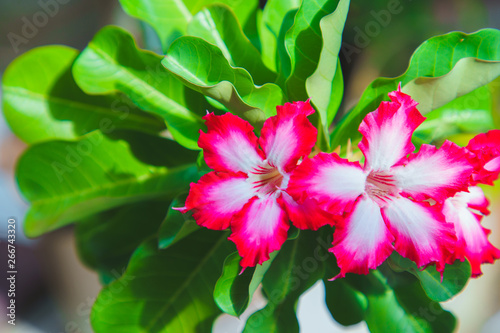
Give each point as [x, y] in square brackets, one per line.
[381, 186]
[267, 179]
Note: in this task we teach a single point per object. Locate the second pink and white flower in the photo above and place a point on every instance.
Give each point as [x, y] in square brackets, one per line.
[386, 203]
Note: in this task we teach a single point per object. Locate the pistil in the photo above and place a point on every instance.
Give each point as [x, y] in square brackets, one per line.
[266, 179]
[381, 187]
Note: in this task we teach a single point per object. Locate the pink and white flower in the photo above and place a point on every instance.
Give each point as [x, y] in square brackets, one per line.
[386, 202]
[486, 147]
[247, 192]
[465, 210]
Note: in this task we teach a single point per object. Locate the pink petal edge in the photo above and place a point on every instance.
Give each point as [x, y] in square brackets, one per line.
[229, 144]
[387, 132]
[288, 136]
[258, 229]
[216, 197]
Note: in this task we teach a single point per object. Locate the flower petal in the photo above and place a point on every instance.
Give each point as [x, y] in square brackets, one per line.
[475, 199]
[387, 132]
[259, 229]
[472, 238]
[217, 197]
[333, 182]
[435, 173]
[229, 144]
[362, 241]
[307, 215]
[420, 232]
[288, 136]
[486, 146]
[493, 165]
[295, 108]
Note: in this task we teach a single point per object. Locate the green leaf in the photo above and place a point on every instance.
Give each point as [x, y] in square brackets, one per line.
[112, 62]
[217, 25]
[298, 265]
[203, 67]
[66, 181]
[176, 225]
[303, 42]
[282, 57]
[455, 277]
[251, 29]
[467, 75]
[325, 86]
[106, 241]
[170, 18]
[233, 291]
[471, 113]
[293, 232]
[42, 102]
[396, 303]
[346, 304]
[403, 308]
[435, 57]
[270, 26]
[166, 290]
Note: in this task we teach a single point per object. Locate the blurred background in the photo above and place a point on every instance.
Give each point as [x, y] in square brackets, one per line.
[55, 291]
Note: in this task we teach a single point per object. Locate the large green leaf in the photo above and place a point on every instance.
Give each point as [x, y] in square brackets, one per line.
[106, 241]
[203, 67]
[396, 303]
[303, 42]
[66, 181]
[270, 26]
[434, 58]
[454, 279]
[217, 25]
[170, 18]
[234, 289]
[165, 290]
[112, 62]
[325, 86]
[467, 75]
[42, 102]
[298, 265]
[403, 307]
[282, 58]
[471, 113]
